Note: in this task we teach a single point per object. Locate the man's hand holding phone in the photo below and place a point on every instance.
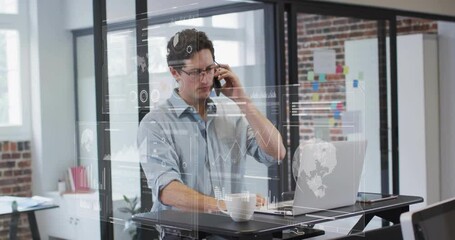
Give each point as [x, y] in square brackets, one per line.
[232, 88]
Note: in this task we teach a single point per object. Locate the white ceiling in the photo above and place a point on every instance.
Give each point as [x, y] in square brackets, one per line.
[442, 7]
[160, 7]
[79, 13]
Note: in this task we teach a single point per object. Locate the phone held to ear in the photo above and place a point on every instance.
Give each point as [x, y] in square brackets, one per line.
[217, 86]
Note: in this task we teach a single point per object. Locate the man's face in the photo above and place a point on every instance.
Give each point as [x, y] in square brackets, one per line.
[195, 85]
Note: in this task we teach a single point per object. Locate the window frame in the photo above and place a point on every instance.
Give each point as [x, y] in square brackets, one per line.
[19, 22]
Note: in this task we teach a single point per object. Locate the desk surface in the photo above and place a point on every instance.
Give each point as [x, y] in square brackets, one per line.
[30, 209]
[24, 204]
[220, 224]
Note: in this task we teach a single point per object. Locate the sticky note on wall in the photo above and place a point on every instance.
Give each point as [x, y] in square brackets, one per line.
[310, 76]
[339, 69]
[315, 86]
[336, 114]
[360, 75]
[340, 106]
[322, 78]
[355, 83]
[331, 122]
[346, 70]
[315, 97]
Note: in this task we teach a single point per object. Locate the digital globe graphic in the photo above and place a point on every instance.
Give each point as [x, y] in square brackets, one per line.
[314, 160]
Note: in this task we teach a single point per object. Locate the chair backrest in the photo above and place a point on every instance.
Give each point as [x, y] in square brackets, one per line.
[435, 221]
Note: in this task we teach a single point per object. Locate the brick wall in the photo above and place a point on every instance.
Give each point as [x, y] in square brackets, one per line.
[16, 180]
[319, 32]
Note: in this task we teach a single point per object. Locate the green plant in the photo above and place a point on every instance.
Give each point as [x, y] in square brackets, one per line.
[132, 208]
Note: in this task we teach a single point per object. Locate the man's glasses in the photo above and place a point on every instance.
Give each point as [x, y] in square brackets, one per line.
[199, 73]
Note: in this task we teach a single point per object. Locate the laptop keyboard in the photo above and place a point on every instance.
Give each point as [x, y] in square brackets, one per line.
[284, 208]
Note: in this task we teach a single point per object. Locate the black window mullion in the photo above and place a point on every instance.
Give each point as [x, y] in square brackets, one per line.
[394, 105]
[293, 91]
[275, 39]
[102, 118]
[383, 106]
[143, 87]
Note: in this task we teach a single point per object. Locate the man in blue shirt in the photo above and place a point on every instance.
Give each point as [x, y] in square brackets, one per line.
[193, 148]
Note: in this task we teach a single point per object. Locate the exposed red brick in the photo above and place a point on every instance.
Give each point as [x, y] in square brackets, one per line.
[26, 155]
[8, 173]
[336, 131]
[6, 190]
[15, 179]
[340, 21]
[24, 180]
[7, 164]
[306, 130]
[7, 181]
[24, 164]
[13, 146]
[5, 146]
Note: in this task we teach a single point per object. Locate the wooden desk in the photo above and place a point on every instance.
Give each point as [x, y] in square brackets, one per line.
[264, 226]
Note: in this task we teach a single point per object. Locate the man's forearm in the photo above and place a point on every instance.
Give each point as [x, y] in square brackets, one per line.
[181, 196]
[268, 137]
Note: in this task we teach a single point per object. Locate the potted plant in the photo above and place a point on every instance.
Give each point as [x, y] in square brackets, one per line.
[132, 208]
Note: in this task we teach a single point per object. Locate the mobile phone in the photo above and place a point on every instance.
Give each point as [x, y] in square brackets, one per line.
[217, 86]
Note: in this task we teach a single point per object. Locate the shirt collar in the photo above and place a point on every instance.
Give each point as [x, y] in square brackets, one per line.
[179, 106]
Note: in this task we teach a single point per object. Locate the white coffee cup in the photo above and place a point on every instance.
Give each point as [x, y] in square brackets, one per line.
[240, 206]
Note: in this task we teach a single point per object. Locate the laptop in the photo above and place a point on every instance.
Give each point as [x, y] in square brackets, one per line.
[328, 177]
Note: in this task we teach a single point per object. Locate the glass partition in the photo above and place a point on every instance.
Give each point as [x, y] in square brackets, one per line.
[237, 43]
[340, 98]
[239, 40]
[86, 112]
[339, 94]
[338, 76]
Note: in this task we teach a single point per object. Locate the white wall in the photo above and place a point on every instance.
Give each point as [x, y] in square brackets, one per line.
[443, 7]
[418, 117]
[362, 56]
[78, 14]
[447, 111]
[52, 94]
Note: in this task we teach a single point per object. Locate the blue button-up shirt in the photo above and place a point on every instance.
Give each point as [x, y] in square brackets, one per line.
[175, 143]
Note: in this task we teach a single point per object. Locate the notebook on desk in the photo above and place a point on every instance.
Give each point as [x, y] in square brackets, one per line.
[328, 177]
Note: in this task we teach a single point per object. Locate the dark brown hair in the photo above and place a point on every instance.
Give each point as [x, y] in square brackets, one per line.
[184, 44]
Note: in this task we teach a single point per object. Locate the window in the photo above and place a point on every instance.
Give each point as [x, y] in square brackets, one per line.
[9, 78]
[13, 70]
[8, 6]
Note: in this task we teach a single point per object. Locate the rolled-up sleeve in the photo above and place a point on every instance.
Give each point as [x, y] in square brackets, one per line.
[158, 158]
[255, 151]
